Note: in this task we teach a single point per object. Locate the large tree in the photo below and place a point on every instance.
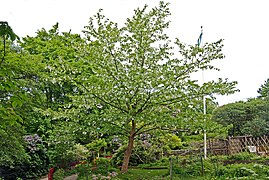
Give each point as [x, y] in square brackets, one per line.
[247, 118]
[49, 119]
[6, 33]
[234, 113]
[17, 95]
[139, 78]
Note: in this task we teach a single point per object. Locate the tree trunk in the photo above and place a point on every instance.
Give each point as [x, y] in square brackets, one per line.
[3, 58]
[128, 151]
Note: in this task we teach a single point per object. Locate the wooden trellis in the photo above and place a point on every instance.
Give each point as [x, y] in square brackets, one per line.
[233, 145]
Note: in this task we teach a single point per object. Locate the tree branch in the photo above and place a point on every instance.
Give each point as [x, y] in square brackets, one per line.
[114, 58]
[189, 69]
[109, 103]
[104, 101]
[148, 130]
[136, 91]
[117, 126]
[141, 109]
[174, 100]
[162, 128]
[141, 128]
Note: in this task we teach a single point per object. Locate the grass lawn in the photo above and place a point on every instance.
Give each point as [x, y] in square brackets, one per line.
[156, 174]
[139, 174]
[146, 174]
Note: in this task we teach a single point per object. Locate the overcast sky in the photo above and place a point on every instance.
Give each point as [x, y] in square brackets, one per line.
[243, 24]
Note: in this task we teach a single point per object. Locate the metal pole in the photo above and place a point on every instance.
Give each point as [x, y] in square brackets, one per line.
[204, 102]
[204, 98]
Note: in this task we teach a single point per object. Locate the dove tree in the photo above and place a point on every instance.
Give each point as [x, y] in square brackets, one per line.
[140, 78]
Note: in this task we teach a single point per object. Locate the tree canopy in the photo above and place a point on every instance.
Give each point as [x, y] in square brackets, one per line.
[139, 77]
[246, 118]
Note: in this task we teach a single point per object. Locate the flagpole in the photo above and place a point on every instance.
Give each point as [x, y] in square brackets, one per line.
[204, 98]
[205, 150]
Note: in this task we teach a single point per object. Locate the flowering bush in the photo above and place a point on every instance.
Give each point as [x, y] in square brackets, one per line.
[33, 142]
[34, 165]
[37, 164]
[61, 146]
[100, 176]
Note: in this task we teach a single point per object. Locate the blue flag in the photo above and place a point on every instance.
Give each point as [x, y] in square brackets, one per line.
[200, 37]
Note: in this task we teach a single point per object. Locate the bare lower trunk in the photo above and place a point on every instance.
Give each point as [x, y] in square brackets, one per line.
[128, 151]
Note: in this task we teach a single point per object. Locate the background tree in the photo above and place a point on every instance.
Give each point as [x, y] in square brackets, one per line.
[233, 113]
[246, 118]
[264, 89]
[258, 123]
[55, 48]
[18, 96]
[6, 33]
[256, 127]
[58, 108]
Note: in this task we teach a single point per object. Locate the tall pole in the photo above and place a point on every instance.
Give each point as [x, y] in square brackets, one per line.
[204, 102]
[204, 98]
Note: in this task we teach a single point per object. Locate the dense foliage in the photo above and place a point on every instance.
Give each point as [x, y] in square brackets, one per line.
[122, 91]
[140, 79]
[239, 166]
[246, 118]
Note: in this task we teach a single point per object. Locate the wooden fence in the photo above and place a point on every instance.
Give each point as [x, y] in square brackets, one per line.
[233, 145]
[229, 146]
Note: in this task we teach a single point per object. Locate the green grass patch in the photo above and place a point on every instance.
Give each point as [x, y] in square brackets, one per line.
[143, 174]
[155, 167]
[156, 174]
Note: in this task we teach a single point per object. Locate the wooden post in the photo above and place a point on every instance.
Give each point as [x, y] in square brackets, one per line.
[202, 163]
[210, 145]
[245, 144]
[171, 167]
[228, 145]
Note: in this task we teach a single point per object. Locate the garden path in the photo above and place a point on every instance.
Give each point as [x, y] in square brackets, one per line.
[73, 177]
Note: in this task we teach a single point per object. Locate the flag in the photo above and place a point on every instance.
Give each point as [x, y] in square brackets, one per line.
[200, 37]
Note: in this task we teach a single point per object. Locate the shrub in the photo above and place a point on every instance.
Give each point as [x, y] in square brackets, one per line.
[192, 166]
[62, 145]
[83, 170]
[59, 174]
[101, 168]
[242, 156]
[161, 163]
[34, 166]
[243, 171]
